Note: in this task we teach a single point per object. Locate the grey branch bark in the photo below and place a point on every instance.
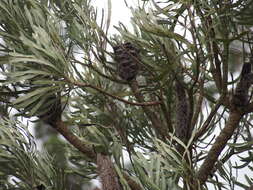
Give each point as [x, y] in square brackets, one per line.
[107, 173]
[219, 144]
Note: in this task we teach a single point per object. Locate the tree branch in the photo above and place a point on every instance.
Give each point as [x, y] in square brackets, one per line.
[219, 145]
[103, 170]
[107, 173]
[113, 96]
[74, 140]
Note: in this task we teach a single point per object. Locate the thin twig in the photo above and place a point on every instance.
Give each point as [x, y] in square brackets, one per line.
[154, 118]
[204, 128]
[198, 105]
[113, 96]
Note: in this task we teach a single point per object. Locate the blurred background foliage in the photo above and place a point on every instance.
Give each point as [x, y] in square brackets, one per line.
[55, 50]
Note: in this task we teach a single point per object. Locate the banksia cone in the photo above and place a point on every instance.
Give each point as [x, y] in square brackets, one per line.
[127, 57]
[240, 97]
[182, 129]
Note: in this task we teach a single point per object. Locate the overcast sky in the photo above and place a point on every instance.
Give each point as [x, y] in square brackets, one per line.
[120, 13]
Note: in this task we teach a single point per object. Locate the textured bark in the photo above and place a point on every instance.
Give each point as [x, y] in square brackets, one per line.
[74, 140]
[106, 169]
[238, 104]
[107, 173]
[219, 144]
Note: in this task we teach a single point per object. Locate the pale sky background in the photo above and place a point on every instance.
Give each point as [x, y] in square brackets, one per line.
[119, 11]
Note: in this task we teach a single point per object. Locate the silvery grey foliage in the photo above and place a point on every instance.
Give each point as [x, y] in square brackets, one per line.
[22, 166]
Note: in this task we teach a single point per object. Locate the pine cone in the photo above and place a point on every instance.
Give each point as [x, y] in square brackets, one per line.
[127, 57]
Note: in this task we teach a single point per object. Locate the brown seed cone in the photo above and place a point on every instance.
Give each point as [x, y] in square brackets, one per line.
[127, 57]
[182, 129]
